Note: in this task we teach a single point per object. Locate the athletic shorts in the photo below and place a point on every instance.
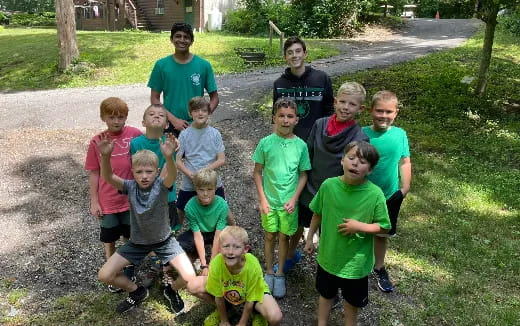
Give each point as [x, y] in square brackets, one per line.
[394, 205]
[278, 220]
[165, 250]
[187, 241]
[175, 224]
[354, 291]
[113, 226]
[304, 215]
[184, 196]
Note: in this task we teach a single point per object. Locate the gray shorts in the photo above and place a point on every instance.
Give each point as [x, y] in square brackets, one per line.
[166, 250]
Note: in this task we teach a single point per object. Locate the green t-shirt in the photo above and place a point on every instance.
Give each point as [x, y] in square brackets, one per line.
[142, 142]
[392, 146]
[179, 83]
[283, 160]
[246, 286]
[207, 218]
[351, 256]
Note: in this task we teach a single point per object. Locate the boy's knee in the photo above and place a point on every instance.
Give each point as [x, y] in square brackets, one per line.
[274, 317]
[105, 275]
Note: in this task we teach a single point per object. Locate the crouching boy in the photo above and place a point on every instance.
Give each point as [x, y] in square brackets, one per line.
[350, 210]
[149, 222]
[235, 278]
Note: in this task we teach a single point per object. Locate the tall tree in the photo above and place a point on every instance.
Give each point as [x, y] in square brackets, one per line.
[66, 25]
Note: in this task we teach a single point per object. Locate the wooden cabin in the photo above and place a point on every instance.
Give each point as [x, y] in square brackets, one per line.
[155, 15]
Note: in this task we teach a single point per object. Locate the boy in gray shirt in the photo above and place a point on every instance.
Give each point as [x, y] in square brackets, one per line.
[149, 223]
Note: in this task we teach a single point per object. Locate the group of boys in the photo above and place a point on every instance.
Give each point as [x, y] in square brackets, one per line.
[310, 172]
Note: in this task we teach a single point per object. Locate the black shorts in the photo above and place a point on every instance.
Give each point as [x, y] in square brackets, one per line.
[304, 215]
[174, 216]
[394, 205]
[109, 235]
[187, 241]
[354, 291]
[184, 196]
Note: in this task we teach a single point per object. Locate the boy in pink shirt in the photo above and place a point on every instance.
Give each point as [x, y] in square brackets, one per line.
[106, 204]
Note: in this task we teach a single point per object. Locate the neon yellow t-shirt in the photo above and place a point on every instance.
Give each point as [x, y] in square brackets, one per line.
[246, 286]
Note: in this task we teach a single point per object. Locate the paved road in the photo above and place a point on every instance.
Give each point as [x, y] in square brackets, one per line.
[78, 108]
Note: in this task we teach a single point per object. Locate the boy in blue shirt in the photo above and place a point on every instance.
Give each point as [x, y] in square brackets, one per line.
[350, 210]
[392, 174]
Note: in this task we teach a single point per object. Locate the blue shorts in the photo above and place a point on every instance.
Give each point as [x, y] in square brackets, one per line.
[165, 250]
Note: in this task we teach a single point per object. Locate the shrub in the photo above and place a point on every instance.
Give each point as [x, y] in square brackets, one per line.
[511, 22]
[447, 9]
[38, 19]
[4, 18]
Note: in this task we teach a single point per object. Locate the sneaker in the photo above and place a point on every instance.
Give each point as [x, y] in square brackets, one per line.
[383, 281]
[213, 319]
[113, 289]
[258, 320]
[129, 272]
[133, 299]
[174, 299]
[279, 286]
[337, 301]
[269, 279]
[290, 263]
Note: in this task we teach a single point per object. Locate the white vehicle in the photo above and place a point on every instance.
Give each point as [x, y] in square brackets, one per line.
[409, 11]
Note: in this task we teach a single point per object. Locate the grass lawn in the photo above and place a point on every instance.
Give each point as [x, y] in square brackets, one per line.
[28, 57]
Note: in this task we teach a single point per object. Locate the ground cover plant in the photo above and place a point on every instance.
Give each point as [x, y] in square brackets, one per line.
[28, 57]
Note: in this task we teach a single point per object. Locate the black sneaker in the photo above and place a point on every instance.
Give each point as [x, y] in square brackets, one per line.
[133, 299]
[113, 289]
[174, 299]
[383, 282]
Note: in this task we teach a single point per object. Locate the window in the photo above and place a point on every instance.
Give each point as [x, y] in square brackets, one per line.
[159, 8]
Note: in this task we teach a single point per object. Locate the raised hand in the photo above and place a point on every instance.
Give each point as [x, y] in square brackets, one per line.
[105, 145]
[168, 146]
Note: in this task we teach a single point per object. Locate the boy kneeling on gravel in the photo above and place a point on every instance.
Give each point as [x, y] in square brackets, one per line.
[149, 222]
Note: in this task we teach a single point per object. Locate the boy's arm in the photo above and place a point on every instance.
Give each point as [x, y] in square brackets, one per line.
[167, 148]
[199, 246]
[221, 159]
[105, 147]
[289, 206]
[213, 101]
[246, 313]
[257, 175]
[405, 169]
[350, 226]
[315, 224]
[182, 167]
[215, 248]
[93, 183]
[221, 307]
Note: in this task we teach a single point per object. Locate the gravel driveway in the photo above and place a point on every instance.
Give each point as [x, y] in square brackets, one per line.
[48, 241]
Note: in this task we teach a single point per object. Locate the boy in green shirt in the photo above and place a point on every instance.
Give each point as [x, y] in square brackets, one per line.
[235, 279]
[281, 160]
[350, 210]
[207, 217]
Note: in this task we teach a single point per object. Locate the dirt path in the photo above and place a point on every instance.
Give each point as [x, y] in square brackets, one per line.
[48, 241]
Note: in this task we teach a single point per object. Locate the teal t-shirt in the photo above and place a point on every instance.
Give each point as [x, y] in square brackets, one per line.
[282, 161]
[207, 218]
[350, 256]
[181, 82]
[140, 143]
[392, 146]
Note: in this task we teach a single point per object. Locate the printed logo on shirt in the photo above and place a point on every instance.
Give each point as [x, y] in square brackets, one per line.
[195, 79]
[302, 96]
[233, 296]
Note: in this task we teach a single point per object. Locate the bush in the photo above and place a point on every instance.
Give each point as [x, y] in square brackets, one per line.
[447, 9]
[254, 17]
[4, 18]
[511, 23]
[38, 19]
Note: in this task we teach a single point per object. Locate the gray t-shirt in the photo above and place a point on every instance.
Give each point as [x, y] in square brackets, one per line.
[199, 148]
[149, 219]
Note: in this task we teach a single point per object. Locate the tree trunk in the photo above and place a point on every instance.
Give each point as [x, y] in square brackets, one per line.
[66, 25]
[487, 48]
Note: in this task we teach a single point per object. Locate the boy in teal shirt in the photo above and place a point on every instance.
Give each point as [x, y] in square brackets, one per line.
[207, 217]
[392, 174]
[281, 160]
[350, 210]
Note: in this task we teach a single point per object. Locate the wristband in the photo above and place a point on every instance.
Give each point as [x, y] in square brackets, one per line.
[203, 267]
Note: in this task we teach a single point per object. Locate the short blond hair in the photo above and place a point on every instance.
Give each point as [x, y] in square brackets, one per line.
[205, 177]
[384, 96]
[153, 106]
[352, 88]
[145, 157]
[236, 232]
[198, 102]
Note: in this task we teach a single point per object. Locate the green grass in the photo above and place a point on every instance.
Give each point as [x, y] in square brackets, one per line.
[28, 57]
[456, 260]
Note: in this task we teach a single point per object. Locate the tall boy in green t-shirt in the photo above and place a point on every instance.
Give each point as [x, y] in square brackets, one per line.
[350, 210]
[281, 160]
[392, 174]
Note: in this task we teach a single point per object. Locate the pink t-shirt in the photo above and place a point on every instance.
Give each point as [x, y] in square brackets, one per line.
[110, 200]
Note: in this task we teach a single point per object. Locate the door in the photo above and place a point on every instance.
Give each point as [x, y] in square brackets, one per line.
[188, 11]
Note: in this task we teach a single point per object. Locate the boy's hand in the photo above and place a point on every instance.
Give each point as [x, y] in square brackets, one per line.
[179, 124]
[349, 227]
[405, 191]
[204, 272]
[309, 247]
[289, 206]
[95, 210]
[105, 145]
[264, 207]
[168, 146]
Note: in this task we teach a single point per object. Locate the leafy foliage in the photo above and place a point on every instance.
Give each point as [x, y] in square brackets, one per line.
[28, 5]
[39, 19]
[446, 8]
[511, 22]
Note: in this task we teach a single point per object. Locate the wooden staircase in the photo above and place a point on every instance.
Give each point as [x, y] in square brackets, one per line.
[136, 16]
